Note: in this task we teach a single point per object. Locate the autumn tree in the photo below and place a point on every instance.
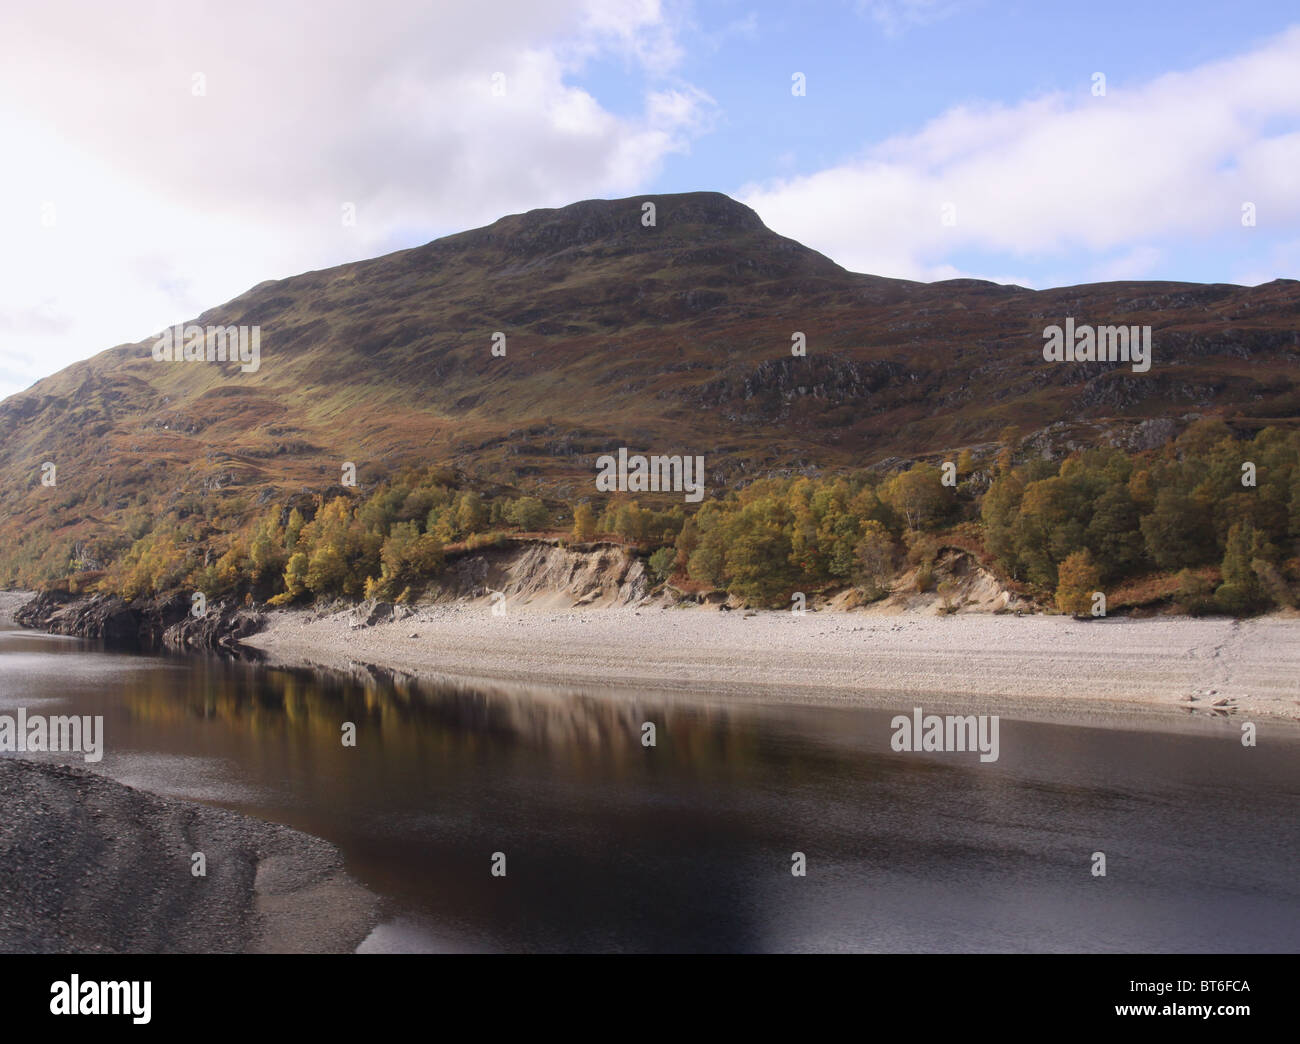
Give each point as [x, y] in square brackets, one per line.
[1009, 442]
[1078, 579]
[918, 495]
[877, 556]
[584, 524]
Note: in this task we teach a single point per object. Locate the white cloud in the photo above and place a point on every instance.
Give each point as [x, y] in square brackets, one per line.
[894, 17]
[167, 202]
[1060, 175]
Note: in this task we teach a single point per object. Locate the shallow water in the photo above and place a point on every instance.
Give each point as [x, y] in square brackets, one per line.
[686, 846]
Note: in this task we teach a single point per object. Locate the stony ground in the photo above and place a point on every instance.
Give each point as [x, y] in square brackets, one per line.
[1027, 664]
[88, 865]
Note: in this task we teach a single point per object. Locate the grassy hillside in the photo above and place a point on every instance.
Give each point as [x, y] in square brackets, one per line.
[673, 338]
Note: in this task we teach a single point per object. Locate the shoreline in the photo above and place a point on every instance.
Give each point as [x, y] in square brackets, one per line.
[1116, 671]
[80, 848]
[1168, 673]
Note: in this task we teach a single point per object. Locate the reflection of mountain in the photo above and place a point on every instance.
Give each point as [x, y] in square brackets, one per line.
[610, 844]
[402, 716]
[673, 338]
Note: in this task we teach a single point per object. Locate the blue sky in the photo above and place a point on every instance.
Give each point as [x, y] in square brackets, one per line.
[879, 70]
[175, 155]
[874, 77]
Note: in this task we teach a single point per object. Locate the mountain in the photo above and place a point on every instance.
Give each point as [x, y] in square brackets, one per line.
[673, 337]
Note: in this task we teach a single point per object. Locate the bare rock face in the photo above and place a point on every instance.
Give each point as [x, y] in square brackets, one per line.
[146, 622]
[373, 611]
[595, 574]
[97, 616]
[221, 627]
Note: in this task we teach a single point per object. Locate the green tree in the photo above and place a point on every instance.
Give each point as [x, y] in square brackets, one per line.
[1114, 535]
[471, 513]
[1241, 592]
[528, 513]
[757, 556]
[999, 508]
[661, 563]
[1177, 533]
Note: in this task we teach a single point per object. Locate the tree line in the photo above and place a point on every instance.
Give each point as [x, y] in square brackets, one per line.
[1215, 517]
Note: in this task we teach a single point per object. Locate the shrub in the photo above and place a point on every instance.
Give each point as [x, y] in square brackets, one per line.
[948, 593]
[924, 576]
[1194, 594]
[1236, 599]
[661, 563]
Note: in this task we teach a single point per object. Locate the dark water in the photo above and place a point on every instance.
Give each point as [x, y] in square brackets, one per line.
[687, 846]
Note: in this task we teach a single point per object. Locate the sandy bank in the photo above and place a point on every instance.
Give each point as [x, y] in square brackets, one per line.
[88, 865]
[1024, 664]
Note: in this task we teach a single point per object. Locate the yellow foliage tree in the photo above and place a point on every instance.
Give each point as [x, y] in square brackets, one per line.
[584, 524]
[1077, 579]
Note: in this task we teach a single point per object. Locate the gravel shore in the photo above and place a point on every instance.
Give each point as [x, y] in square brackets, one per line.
[88, 865]
[1032, 666]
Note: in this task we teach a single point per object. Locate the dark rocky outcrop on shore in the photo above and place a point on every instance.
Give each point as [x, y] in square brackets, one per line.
[88, 865]
[159, 622]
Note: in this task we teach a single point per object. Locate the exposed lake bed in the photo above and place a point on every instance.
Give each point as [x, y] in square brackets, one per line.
[1047, 667]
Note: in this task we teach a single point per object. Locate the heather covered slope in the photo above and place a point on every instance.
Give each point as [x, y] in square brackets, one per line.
[671, 338]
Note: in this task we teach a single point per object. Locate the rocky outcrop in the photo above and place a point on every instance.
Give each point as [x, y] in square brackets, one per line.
[165, 621]
[220, 628]
[372, 612]
[87, 616]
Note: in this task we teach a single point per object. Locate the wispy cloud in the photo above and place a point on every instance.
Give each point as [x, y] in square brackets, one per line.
[894, 17]
[1076, 175]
